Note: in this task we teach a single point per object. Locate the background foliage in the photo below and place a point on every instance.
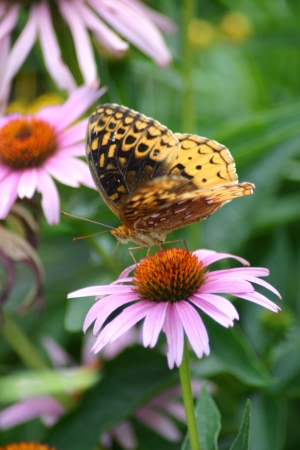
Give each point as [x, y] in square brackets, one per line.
[237, 83]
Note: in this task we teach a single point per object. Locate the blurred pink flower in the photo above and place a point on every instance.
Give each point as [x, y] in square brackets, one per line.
[167, 291]
[130, 18]
[158, 414]
[36, 147]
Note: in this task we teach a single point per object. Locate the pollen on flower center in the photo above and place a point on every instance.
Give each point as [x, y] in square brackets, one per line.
[169, 275]
[26, 142]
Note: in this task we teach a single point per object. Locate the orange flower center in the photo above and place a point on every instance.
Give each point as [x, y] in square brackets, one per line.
[169, 275]
[26, 446]
[26, 142]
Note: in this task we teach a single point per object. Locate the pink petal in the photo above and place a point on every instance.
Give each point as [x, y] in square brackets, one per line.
[9, 192]
[73, 150]
[243, 272]
[101, 290]
[209, 259]
[161, 21]
[159, 423]
[78, 102]
[153, 323]
[193, 327]
[135, 27]
[231, 287]
[127, 271]
[109, 305]
[4, 171]
[51, 51]
[50, 197]
[175, 337]
[127, 339]
[19, 51]
[104, 35]
[27, 183]
[260, 299]
[73, 135]
[9, 21]
[28, 409]
[212, 311]
[224, 305]
[57, 169]
[264, 284]
[124, 435]
[83, 47]
[125, 320]
[58, 356]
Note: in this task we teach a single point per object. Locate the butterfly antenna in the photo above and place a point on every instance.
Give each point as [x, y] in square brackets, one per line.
[87, 220]
[89, 236]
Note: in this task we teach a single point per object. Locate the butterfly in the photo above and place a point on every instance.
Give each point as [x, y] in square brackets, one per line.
[154, 180]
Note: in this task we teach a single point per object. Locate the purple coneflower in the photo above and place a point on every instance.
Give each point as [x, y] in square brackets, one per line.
[168, 290]
[130, 18]
[36, 147]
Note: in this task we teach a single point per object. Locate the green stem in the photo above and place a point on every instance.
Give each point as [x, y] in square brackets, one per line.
[188, 114]
[28, 354]
[22, 345]
[185, 379]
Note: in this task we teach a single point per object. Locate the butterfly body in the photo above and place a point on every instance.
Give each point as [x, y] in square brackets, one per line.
[153, 180]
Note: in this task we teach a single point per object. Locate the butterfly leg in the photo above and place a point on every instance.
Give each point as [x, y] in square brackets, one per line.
[137, 248]
[178, 240]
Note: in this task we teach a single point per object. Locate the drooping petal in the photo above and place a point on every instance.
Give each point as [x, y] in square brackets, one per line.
[9, 20]
[212, 311]
[51, 51]
[125, 436]
[260, 299]
[105, 35]
[153, 324]
[101, 290]
[175, 337]
[158, 422]
[264, 284]
[226, 287]
[19, 51]
[28, 183]
[193, 327]
[208, 257]
[29, 409]
[9, 192]
[50, 197]
[125, 320]
[161, 21]
[224, 305]
[83, 46]
[135, 27]
[115, 301]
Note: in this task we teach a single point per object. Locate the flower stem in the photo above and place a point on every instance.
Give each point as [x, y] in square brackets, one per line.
[22, 345]
[185, 379]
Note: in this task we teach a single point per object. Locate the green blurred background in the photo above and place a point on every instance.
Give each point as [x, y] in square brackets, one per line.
[235, 78]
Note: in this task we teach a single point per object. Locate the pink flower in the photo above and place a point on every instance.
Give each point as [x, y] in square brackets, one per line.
[167, 291]
[133, 20]
[36, 147]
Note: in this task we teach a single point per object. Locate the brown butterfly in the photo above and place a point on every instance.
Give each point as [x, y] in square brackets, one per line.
[153, 180]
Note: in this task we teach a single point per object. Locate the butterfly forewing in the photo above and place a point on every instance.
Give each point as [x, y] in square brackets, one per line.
[126, 150]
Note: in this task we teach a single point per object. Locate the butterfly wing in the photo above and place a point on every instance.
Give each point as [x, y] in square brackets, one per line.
[159, 207]
[203, 163]
[125, 150]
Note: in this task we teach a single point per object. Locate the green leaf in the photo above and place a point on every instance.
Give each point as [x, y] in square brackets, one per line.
[208, 421]
[45, 382]
[129, 381]
[231, 352]
[242, 440]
